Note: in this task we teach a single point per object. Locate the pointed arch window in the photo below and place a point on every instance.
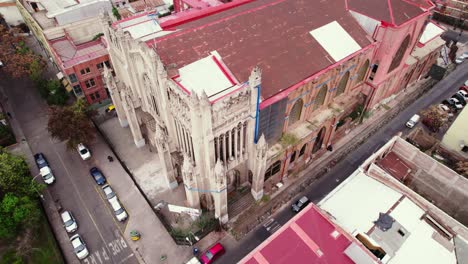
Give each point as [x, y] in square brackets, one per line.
[320, 98]
[296, 110]
[399, 54]
[362, 71]
[302, 151]
[273, 169]
[342, 84]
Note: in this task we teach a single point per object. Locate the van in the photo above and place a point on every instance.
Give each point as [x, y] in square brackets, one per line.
[413, 121]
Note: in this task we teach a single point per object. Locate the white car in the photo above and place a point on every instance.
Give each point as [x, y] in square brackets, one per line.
[79, 246]
[457, 103]
[47, 175]
[463, 94]
[119, 212]
[464, 55]
[444, 108]
[466, 83]
[69, 222]
[459, 60]
[84, 151]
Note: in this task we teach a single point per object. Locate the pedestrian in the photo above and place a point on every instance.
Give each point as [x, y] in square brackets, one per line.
[110, 158]
[8, 114]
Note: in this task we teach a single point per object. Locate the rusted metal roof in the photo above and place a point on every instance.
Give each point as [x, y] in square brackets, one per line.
[273, 34]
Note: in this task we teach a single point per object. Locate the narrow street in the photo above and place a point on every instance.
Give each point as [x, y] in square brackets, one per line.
[74, 189]
[442, 90]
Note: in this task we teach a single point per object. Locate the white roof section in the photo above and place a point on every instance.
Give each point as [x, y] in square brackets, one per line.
[58, 7]
[431, 31]
[356, 204]
[335, 40]
[144, 29]
[204, 75]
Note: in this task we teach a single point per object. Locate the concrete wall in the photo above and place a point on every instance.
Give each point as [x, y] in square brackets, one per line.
[457, 134]
[10, 12]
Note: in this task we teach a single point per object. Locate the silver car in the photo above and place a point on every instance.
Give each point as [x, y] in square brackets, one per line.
[69, 222]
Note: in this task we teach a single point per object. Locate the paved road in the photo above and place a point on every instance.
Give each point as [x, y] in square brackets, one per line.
[74, 187]
[344, 168]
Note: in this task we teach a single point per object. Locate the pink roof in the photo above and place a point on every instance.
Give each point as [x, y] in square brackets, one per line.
[71, 55]
[306, 238]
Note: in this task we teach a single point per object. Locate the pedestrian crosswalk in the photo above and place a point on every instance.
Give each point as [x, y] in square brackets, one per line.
[271, 225]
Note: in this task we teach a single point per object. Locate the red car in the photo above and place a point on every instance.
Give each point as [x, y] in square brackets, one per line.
[464, 88]
[211, 254]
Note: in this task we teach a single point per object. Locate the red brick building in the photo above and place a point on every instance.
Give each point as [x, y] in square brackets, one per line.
[82, 65]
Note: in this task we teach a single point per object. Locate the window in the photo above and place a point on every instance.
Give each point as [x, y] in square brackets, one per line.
[92, 97]
[295, 113]
[273, 169]
[90, 83]
[85, 71]
[362, 72]
[320, 98]
[301, 152]
[399, 54]
[77, 89]
[97, 95]
[375, 67]
[100, 65]
[155, 106]
[293, 157]
[72, 78]
[342, 85]
[107, 64]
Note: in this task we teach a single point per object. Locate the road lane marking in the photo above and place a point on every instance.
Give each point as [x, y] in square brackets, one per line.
[126, 258]
[78, 193]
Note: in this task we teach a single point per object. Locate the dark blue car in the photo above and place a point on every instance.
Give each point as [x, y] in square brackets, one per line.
[41, 160]
[97, 175]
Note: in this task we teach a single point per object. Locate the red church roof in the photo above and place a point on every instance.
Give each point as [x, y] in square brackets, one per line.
[310, 237]
[273, 34]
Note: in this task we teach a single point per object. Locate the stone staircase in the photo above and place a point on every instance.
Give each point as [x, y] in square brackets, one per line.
[238, 204]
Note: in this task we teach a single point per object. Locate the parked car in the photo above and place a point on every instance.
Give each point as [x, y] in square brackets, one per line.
[456, 103]
[464, 55]
[47, 175]
[108, 191]
[41, 160]
[444, 108]
[463, 94]
[84, 151]
[300, 204]
[464, 88]
[212, 253]
[79, 246]
[97, 176]
[119, 211]
[69, 221]
[460, 99]
[413, 121]
[466, 83]
[459, 60]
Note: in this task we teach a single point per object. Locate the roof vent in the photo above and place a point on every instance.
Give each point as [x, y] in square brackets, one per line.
[384, 222]
[335, 234]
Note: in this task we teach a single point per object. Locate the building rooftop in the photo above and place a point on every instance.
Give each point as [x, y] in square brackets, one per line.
[394, 12]
[389, 220]
[309, 237]
[70, 55]
[456, 137]
[431, 31]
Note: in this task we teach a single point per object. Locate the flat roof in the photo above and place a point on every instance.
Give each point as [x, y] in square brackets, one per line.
[356, 205]
[309, 237]
[430, 32]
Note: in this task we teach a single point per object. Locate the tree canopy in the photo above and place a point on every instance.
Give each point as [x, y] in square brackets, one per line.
[72, 123]
[15, 55]
[15, 176]
[434, 118]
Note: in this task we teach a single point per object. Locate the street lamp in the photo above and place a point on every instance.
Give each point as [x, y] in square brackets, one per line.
[38, 193]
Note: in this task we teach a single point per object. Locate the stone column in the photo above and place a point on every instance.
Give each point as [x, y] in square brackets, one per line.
[220, 194]
[115, 96]
[164, 156]
[259, 168]
[190, 183]
[133, 122]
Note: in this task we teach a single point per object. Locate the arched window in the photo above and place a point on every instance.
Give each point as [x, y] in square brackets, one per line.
[362, 72]
[273, 169]
[342, 85]
[293, 157]
[295, 113]
[320, 98]
[399, 54]
[319, 140]
[301, 152]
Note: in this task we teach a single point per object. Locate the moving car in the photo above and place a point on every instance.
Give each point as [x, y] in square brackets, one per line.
[47, 175]
[69, 221]
[41, 160]
[119, 212]
[97, 176]
[212, 253]
[79, 246]
[108, 191]
[84, 151]
[413, 121]
[300, 204]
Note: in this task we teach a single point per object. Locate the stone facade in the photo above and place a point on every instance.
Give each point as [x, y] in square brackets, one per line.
[219, 140]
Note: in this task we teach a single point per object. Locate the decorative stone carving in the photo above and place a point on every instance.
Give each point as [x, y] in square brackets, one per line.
[187, 168]
[220, 173]
[231, 110]
[255, 77]
[261, 148]
[161, 136]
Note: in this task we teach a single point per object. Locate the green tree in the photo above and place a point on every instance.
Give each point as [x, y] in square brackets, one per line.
[56, 93]
[17, 212]
[15, 176]
[72, 123]
[434, 118]
[116, 13]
